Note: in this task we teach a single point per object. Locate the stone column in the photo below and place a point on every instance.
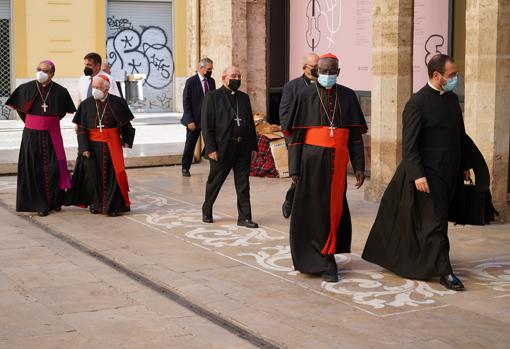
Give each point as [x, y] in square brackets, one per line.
[391, 88]
[234, 32]
[192, 35]
[487, 92]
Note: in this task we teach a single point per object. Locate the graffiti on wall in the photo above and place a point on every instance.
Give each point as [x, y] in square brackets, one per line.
[142, 51]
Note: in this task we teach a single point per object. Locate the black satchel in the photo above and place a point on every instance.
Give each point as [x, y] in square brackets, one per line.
[473, 202]
[475, 207]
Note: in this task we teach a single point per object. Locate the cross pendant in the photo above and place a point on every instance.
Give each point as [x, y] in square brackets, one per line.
[331, 131]
[44, 106]
[238, 120]
[100, 126]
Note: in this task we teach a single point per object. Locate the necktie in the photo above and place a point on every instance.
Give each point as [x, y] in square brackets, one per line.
[89, 90]
[206, 86]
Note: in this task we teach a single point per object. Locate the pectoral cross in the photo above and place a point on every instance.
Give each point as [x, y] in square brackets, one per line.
[331, 131]
[100, 126]
[44, 106]
[238, 120]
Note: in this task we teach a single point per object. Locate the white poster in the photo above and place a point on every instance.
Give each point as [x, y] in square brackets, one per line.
[344, 28]
[430, 36]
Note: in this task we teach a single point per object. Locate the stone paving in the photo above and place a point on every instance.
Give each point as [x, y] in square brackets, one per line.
[56, 295]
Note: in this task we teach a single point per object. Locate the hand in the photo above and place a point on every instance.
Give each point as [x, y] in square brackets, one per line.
[360, 178]
[467, 176]
[295, 179]
[213, 156]
[422, 185]
[253, 155]
[192, 126]
[126, 145]
[86, 154]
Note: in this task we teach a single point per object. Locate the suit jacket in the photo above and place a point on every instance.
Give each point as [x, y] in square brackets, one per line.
[218, 121]
[192, 98]
[290, 90]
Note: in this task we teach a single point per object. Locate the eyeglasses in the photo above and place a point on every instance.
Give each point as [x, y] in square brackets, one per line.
[44, 70]
[235, 76]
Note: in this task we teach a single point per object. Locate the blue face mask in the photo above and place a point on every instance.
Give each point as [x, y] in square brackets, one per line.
[327, 81]
[451, 84]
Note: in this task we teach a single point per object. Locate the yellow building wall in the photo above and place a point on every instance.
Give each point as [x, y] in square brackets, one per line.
[60, 30]
[65, 30]
[180, 25]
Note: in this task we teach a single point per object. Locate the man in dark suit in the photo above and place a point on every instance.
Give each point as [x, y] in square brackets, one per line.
[230, 143]
[195, 89]
[290, 90]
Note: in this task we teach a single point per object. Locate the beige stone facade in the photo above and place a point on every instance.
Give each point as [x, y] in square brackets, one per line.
[391, 88]
[487, 106]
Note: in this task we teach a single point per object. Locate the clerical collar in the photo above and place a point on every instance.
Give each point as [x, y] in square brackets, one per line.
[45, 86]
[104, 99]
[441, 92]
[229, 91]
[327, 89]
[307, 80]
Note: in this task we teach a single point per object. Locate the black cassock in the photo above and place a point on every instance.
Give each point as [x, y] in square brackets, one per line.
[410, 233]
[229, 130]
[311, 220]
[94, 179]
[38, 172]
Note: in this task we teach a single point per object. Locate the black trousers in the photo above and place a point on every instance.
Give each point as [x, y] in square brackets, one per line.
[189, 147]
[238, 159]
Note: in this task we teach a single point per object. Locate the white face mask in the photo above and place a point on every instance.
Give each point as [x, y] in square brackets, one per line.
[97, 94]
[41, 76]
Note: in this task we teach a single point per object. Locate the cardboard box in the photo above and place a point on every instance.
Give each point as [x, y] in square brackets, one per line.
[280, 156]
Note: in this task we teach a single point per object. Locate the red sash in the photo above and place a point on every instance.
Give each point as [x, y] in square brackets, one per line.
[111, 137]
[321, 137]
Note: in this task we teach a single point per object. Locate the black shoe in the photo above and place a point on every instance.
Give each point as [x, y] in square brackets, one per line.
[248, 223]
[58, 208]
[330, 276]
[185, 173]
[286, 209]
[207, 219]
[42, 213]
[451, 282]
[93, 210]
[113, 214]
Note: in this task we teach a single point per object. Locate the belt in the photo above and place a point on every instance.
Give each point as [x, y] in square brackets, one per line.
[238, 139]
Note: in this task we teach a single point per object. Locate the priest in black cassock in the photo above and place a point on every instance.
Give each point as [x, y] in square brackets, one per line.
[290, 90]
[327, 126]
[42, 166]
[230, 143]
[410, 234]
[103, 127]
